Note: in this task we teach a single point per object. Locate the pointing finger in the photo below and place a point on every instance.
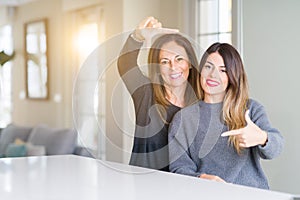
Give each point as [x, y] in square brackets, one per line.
[232, 132]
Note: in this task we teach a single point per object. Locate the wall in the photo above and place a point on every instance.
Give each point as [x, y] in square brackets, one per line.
[62, 67]
[31, 112]
[271, 52]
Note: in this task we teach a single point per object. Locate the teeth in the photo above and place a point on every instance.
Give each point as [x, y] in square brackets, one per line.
[212, 83]
[175, 75]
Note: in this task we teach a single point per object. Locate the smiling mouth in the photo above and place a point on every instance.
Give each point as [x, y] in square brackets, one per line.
[212, 83]
[175, 76]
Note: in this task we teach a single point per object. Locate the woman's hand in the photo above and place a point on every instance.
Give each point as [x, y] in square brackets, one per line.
[149, 27]
[149, 22]
[212, 177]
[249, 136]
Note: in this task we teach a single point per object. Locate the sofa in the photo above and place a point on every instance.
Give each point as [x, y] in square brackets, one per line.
[40, 140]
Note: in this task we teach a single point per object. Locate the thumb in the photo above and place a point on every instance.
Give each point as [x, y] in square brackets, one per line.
[247, 117]
[146, 22]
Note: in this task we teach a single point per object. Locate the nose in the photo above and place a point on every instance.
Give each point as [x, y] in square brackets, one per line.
[214, 72]
[173, 64]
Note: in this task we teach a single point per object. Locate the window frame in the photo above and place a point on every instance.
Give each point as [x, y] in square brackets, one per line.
[191, 22]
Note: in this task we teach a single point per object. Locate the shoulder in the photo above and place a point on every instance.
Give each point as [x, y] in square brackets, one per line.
[191, 109]
[254, 104]
[187, 113]
[257, 110]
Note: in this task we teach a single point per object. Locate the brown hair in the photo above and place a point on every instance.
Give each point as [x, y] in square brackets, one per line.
[237, 92]
[192, 90]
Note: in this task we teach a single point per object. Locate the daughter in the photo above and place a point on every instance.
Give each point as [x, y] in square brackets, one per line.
[224, 136]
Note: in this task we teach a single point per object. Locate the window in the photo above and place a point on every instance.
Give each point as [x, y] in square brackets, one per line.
[88, 34]
[6, 45]
[213, 22]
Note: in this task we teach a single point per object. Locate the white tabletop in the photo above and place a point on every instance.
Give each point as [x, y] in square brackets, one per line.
[75, 177]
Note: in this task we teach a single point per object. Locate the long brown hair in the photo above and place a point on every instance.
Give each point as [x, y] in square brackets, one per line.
[192, 90]
[237, 93]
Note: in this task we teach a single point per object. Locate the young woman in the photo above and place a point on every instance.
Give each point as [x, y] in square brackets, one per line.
[224, 136]
[172, 84]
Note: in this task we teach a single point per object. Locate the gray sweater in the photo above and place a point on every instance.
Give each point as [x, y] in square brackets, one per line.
[196, 147]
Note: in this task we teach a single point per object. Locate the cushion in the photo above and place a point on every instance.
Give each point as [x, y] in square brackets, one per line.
[56, 141]
[16, 150]
[35, 150]
[10, 133]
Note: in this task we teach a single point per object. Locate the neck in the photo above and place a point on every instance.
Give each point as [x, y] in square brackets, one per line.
[213, 98]
[175, 95]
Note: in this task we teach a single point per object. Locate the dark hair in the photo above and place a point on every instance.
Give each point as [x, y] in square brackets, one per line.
[237, 92]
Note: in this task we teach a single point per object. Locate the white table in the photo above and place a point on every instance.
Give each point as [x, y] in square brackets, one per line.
[75, 177]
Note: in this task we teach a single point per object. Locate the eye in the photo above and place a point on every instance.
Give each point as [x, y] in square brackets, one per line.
[223, 70]
[180, 58]
[164, 61]
[207, 66]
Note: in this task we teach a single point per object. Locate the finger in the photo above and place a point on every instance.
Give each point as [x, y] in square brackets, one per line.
[247, 117]
[232, 132]
[242, 145]
[146, 22]
[168, 30]
[218, 179]
[157, 25]
[152, 23]
[221, 180]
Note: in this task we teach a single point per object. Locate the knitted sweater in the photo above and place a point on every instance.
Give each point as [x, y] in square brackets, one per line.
[196, 147]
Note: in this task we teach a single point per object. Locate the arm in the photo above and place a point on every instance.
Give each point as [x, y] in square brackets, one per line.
[182, 132]
[259, 133]
[127, 61]
[179, 155]
[275, 142]
[128, 67]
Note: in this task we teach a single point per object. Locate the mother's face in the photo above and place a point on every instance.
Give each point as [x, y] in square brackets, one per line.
[174, 65]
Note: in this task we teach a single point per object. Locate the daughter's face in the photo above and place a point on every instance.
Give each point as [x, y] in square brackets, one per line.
[214, 79]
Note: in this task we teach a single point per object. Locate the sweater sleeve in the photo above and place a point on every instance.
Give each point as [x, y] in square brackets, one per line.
[128, 67]
[275, 140]
[179, 143]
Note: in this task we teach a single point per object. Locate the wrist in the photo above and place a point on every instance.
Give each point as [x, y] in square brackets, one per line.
[265, 138]
[135, 38]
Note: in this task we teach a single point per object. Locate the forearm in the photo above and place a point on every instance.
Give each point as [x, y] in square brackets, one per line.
[273, 146]
[128, 56]
[180, 160]
[184, 166]
[128, 68]
[274, 141]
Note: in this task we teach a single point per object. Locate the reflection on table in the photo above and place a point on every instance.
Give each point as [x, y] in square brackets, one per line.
[75, 177]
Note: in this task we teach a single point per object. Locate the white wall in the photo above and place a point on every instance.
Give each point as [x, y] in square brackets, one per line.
[271, 55]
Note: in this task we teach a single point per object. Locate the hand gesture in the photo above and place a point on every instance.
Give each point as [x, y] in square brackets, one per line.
[249, 136]
[148, 28]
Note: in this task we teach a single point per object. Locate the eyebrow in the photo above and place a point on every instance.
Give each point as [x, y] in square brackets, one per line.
[223, 66]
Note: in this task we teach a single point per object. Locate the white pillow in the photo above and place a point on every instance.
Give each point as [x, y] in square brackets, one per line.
[35, 150]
